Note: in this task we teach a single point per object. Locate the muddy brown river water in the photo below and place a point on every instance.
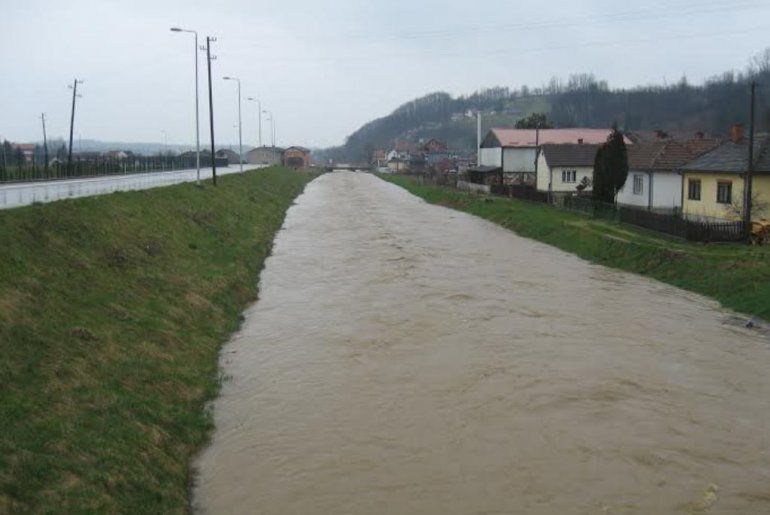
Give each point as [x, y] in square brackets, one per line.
[405, 358]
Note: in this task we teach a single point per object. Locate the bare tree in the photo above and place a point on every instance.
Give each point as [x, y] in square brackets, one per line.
[760, 63]
[759, 207]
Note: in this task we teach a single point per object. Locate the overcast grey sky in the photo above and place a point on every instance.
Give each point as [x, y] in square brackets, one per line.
[325, 68]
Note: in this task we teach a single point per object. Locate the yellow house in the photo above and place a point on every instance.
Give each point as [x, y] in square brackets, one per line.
[713, 184]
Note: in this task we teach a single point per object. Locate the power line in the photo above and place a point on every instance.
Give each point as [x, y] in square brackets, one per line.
[464, 32]
[527, 50]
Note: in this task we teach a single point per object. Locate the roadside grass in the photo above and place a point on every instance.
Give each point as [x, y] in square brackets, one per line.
[112, 313]
[736, 275]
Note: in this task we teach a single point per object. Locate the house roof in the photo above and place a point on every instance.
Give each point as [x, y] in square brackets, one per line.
[733, 157]
[265, 149]
[406, 146]
[529, 137]
[434, 141]
[301, 149]
[569, 154]
[701, 145]
[665, 155]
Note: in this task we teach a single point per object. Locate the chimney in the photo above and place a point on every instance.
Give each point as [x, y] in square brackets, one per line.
[700, 135]
[736, 132]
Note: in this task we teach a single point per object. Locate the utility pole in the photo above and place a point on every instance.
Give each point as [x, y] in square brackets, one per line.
[45, 145]
[210, 58]
[271, 119]
[240, 133]
[750, 167]
[74, 88]
[478, 138]
[259, 116]
[197, 116]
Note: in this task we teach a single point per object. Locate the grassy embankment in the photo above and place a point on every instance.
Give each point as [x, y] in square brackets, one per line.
[112, 313]
[736, 275]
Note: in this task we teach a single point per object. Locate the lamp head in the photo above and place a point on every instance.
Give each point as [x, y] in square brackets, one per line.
[176, 29]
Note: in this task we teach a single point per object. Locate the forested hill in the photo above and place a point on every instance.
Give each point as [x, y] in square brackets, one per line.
[581, 100]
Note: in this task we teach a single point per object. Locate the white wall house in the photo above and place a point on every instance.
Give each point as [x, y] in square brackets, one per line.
[515, 150]
[654, 173]
[561, 168]
[655, 190]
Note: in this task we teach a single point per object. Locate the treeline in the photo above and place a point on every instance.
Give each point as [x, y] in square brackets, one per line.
[582, 100]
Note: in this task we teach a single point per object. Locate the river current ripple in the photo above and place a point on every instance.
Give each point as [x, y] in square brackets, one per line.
[405, 358]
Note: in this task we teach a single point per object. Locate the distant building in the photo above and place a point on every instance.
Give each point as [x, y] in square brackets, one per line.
[296, 157]
[118, 155]
[265, 156]
[435, 152]
[515, 151]
[27, 152]
[230, 155]
[380, 158]
[434, 146]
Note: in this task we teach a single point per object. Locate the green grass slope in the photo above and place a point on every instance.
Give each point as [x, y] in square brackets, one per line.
[112, 313]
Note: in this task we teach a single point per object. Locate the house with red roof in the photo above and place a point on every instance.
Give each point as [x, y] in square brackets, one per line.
[515, 151]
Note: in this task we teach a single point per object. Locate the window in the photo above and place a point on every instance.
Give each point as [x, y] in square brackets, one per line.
[638, 184]
[693, 189]
[724, 192]
[569, 176]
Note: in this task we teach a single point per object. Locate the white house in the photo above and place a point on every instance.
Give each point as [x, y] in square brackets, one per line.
[515, 150]
[654, 173]
[561, 168]
[264, 155]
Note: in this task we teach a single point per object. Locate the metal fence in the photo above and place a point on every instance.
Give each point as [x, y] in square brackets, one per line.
[519, 192]
[683, 228]
[23, 194]
[692, 230]
[590, 207]
[99, 166]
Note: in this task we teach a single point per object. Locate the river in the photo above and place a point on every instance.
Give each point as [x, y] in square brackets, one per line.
[405, 358]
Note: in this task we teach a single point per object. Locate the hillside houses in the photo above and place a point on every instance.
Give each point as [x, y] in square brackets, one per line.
[407, 157]
[515, 151]
[689, 177]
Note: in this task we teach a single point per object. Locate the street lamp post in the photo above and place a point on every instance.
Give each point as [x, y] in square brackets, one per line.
[259, 116]
[197, 125]
[240, 128]
[272, 131]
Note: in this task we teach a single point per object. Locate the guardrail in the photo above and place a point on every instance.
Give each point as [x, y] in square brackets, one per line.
[23, 194]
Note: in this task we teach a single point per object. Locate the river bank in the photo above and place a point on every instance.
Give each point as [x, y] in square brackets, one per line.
[736, 275]
[112, 313]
